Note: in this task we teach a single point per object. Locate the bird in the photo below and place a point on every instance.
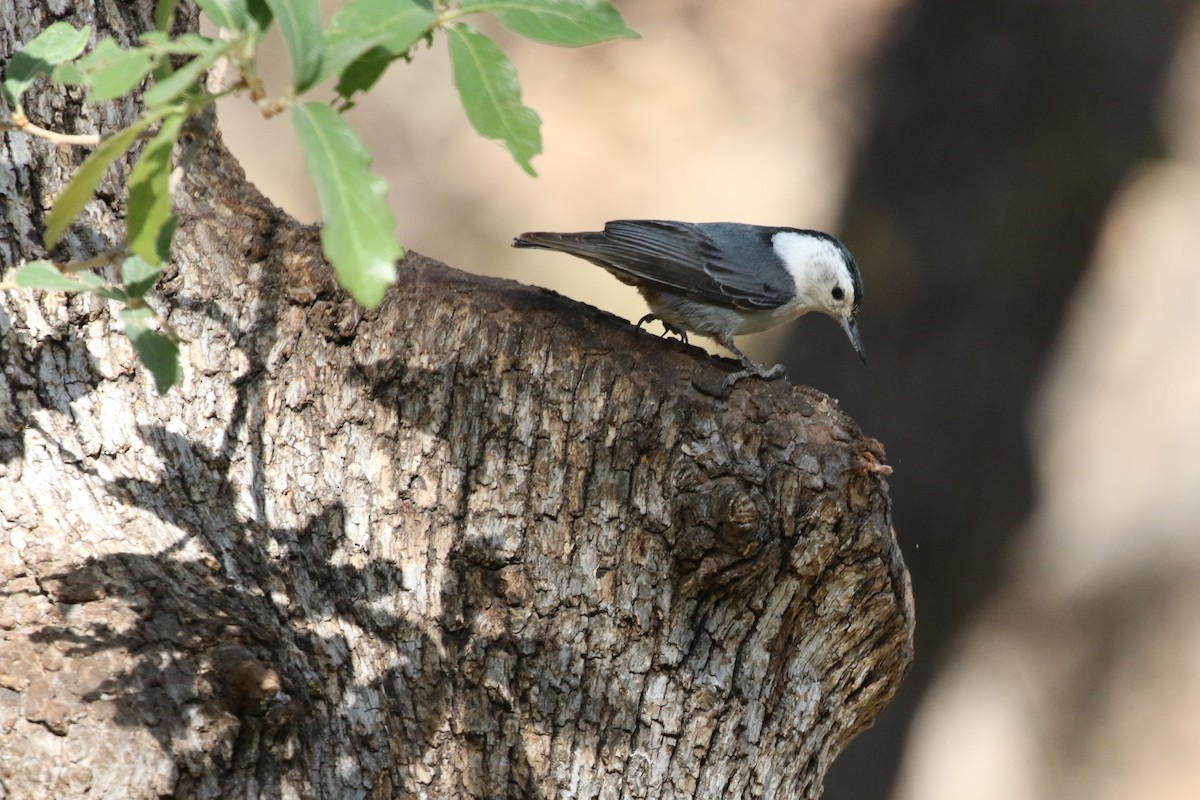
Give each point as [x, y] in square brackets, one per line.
[723, 279]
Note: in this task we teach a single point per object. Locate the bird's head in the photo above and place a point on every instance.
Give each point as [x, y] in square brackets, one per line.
[827, 278]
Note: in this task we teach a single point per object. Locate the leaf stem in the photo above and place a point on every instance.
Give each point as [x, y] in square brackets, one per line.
[22, 124]
[103, 259]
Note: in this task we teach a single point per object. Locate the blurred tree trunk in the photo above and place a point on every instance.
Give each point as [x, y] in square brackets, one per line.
[999, 134]
[464, 545]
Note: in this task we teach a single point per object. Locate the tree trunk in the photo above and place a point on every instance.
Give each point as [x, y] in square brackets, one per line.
[482, 541]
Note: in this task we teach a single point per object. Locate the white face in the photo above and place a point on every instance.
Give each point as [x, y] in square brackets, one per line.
[823, 279]
[822, 276]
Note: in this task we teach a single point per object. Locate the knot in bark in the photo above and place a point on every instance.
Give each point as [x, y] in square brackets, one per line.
[723, 533]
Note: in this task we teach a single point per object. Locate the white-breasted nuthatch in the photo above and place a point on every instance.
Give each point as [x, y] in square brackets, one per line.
[723, 279]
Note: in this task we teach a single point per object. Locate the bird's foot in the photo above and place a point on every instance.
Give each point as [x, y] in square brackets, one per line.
[751, 369]
[668, 328]
[648, 318]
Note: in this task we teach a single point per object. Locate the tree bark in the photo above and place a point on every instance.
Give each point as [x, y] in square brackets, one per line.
[482, 541]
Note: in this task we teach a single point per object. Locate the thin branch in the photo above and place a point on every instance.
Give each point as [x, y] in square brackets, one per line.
[23, 125]
[103, 259]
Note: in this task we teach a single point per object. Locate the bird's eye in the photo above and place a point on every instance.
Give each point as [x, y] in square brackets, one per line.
[838, 294]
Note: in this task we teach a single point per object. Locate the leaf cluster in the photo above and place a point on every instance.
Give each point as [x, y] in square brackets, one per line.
[361, 41]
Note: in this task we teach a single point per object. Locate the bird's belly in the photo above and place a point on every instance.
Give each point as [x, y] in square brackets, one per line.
[683, 312]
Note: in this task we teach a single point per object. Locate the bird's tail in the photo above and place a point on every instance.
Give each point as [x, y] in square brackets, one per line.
[544, 240]
[593, 246]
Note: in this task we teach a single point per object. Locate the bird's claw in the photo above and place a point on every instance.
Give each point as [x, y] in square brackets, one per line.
[668, 328]
[648, 318]
[750, 370]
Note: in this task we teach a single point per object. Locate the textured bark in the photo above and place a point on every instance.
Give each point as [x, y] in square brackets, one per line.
[481, 542]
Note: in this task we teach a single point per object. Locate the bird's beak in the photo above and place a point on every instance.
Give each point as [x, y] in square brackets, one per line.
[850, 326]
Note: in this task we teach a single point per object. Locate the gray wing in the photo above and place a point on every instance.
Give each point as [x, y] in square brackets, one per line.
[695, 259]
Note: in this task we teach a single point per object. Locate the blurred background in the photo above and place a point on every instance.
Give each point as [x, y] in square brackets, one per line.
[1020, 183]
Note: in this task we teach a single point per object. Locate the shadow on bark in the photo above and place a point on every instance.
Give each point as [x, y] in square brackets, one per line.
[240, 669]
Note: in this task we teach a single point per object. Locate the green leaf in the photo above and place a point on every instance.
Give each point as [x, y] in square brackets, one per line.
[108, 71]
[139, 275]
[157, 352]
[58, 43]
[569, 23]
[187, 76]
[41, 274]
[362, 25]
[359, 235]
[186, 44]
[104, 290]
[232, 15]
[164, 15]
[363, 72]
[87, 177]
[260, 14]
[149, 212]
[94, 283]
[300, 24]
[68, 73]
[238, 15]
[487, 85]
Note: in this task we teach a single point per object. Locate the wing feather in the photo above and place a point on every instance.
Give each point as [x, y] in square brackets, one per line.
[689, 258]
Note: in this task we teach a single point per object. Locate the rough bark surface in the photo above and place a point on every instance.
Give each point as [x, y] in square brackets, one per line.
[480, 542]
